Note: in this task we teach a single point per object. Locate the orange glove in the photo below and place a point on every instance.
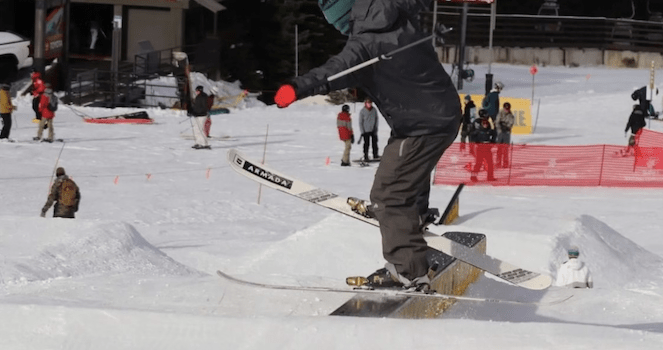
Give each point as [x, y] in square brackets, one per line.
[285, 96]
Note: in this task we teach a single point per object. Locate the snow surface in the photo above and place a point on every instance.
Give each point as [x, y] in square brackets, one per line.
[135, 270]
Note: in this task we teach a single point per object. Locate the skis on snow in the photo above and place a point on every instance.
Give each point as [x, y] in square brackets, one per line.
[269, 177]
[385, 292]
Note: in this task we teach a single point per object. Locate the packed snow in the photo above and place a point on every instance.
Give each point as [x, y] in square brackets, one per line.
[136, 268]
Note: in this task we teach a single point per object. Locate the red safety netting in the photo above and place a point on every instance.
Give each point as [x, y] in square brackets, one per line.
[594, 165]
[650, 138]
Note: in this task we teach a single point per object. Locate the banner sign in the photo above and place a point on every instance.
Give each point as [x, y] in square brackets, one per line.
[520, 107]
[54, 33]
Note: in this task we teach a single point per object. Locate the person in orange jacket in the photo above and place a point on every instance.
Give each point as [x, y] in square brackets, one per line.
[6, 109]
[344, 124]
[47, 115]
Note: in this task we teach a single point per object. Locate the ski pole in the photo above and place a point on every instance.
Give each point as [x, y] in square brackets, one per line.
[441, 30]
[57, 160]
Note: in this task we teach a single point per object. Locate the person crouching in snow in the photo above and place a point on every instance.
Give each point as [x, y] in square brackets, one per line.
[66, 196]
[344, 124]
[199, 113]
[574, 273]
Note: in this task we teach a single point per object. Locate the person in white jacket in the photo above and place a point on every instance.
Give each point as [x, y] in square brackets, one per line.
[574, 273]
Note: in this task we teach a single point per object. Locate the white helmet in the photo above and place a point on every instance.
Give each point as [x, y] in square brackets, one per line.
[499, 86]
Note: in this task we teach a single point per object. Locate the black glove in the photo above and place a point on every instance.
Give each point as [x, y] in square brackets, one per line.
[352, 138]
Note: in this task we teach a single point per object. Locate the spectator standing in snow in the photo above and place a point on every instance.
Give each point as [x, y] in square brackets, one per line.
[503, 125]
[344, 124]
[467, 126]
[47, 115]
[65, 194]
[368, 126]
[483, 137]
[6, 109]
[491, 102]
[636, 121]
[199, 114]
[574, 273]
[416, 97]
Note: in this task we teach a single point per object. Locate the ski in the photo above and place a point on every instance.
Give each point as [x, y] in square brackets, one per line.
[215, 138]
[271, 178]
[34, 142]
[384, 292]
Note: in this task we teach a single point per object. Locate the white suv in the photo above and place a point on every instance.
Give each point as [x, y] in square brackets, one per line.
[14, 55]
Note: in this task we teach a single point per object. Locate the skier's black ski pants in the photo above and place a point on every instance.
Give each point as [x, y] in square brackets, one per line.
[400, 194]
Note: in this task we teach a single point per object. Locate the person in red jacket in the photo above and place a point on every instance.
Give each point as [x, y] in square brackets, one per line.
[344, 124]
[47, 115]
[38, 88]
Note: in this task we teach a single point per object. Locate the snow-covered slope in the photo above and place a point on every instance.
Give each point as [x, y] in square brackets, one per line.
[135, 270]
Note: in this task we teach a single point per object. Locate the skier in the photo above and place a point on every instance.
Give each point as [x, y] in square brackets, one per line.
[636, 122]
[491, 102]
[199, 114]
[368, 126]
[6, 109]
[574, 273]
[503, 125]
[483, 137]
[467, 126]
[47, 112]
[419, 102]
[65, 195]
[344, 124]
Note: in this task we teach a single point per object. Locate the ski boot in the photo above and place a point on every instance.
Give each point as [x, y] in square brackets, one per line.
[388, 278]
[360, 207]
[381, 279]
[432, 216]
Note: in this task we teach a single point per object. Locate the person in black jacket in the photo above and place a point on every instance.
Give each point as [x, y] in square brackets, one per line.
[417, 99]
[199, 113]
[467, 126]
[484, 138]
[636, 121]
[491, 102]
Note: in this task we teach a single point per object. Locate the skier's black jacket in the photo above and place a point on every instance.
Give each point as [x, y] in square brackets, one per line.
[636, 121]
[199, 108]
[412, 90]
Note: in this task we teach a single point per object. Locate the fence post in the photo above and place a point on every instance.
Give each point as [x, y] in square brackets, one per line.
[508, 181]
[602, 165]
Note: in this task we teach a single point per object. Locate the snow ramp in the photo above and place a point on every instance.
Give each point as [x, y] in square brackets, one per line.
[34, 249]
[613, 260]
